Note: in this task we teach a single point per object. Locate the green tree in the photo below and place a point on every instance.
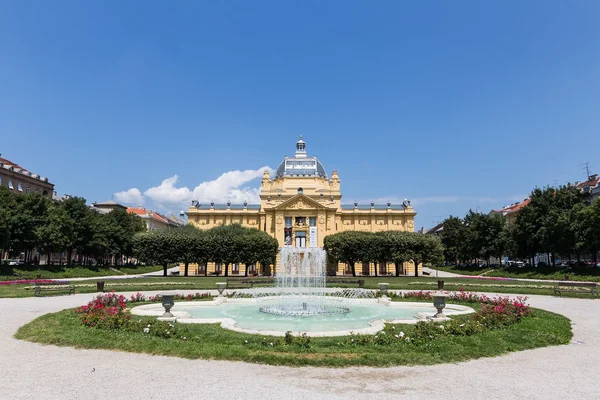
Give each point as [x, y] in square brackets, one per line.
[346, 247]
[587, 228]
[454, 236]
[31, 212]
[425, 249]
[156, 247]
[396, 248]
[7, 210]
[54, 236]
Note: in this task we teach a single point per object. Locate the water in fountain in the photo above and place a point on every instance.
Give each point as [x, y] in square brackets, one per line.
[301, 287]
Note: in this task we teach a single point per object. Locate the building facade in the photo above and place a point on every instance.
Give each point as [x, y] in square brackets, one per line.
[19, 180]
[300, 205]
[153, 220]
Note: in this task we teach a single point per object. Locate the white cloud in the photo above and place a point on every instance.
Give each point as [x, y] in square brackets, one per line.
[166, 194]
[230, 186]
[132, 197]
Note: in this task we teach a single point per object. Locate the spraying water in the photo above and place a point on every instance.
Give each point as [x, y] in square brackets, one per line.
[301, 283]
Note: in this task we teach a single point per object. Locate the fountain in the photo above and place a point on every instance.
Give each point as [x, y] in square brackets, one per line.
[301, 289]
[300, 302]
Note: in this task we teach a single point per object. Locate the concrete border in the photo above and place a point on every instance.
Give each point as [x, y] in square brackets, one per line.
[156, 310]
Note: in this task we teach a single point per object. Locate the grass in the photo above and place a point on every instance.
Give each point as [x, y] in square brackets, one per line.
[590, 274]
[207, 283]
[209, 341]
[8, 273]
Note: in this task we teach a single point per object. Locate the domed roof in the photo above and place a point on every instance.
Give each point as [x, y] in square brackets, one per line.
[301, 164]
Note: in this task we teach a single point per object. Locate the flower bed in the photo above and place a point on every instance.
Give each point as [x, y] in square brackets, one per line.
[495, 313]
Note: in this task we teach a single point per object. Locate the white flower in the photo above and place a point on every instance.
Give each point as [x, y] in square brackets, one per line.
[461, 325]
[148, 325]
[352, 341]
[245, 341]
[401, 334]
[442, 327]
[168, 332]
[396, 336]
[146, 330]
[184, 338]
[271, 344]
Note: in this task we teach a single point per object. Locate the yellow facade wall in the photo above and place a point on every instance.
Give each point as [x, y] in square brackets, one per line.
[289, 205]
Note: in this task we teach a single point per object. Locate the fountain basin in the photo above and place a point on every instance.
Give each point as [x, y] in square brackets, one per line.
[365, 316]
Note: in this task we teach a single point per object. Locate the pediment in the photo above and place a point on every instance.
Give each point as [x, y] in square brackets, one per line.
[300, 202]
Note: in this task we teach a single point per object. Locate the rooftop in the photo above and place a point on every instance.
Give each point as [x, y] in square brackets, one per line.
[301, 165]
[11, 166]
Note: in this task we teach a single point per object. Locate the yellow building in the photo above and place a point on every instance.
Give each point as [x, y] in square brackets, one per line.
[299, 206]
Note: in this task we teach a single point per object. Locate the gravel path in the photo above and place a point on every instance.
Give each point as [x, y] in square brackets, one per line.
[31, 371]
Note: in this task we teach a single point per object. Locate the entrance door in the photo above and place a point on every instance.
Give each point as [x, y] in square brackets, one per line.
[301, 239]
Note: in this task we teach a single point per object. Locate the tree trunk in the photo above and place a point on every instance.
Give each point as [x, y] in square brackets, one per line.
[246, 269]
[352, 268]
[375, 265]
[206, 268]
[165, 268]
[397, 265]
[226, 269]
[185, 270]
[416, 262]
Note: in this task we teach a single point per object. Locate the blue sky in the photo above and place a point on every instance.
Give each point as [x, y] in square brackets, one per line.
[455, 105]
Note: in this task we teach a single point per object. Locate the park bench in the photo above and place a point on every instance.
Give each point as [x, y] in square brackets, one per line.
[174, 273]
[59, 286]
[359, 282]
[237, 283]
[576, 287]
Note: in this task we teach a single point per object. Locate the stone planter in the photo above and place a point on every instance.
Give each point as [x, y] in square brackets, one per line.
[439, 302]
[383, 289]
[168, 301]
[221, 288]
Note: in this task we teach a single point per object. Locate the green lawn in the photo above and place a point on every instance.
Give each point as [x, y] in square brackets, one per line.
[590, 274]
[8, 273]
[206, 283]
[209, 341]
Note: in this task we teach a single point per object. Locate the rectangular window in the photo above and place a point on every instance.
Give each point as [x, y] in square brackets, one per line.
[235, 269]
[365, 268]
[0, 180]
[20, 187]
[300, 221]
[218, 267]
[10, 184]
[312, 221]
[28, 190]
[201, 269]
[382, 268]
[252, 268]
[288, 221]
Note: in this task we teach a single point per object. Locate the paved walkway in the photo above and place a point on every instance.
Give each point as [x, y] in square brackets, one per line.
[103, 278]
[32, 371]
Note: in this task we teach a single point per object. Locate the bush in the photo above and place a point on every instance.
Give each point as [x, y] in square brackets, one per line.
[106, 311]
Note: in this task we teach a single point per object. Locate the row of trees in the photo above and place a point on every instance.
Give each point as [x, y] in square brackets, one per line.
[382, 247]
[225, 244]
[31, 223]
[557, 221]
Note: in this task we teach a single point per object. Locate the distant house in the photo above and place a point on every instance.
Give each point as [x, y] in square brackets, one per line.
[107, 206]
[153, 219]
[511, 211]
[590, 188]
[19, 180]
[436, 230]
